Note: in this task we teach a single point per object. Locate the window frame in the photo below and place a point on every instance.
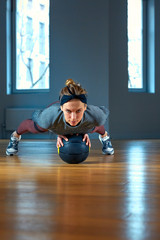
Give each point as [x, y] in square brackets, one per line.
[11, 80]
[148, 63]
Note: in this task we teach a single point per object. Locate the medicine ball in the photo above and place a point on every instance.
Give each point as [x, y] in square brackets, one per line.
[74, 150]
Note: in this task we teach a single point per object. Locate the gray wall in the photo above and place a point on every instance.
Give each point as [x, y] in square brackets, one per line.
[88, 42]
[79, 47]
[132, 115]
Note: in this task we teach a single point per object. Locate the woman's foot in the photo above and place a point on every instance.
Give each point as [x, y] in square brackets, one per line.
[12, 148]
[107, 145]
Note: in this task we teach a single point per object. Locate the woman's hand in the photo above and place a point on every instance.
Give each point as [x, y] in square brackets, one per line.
[86, 138]
[59, 140]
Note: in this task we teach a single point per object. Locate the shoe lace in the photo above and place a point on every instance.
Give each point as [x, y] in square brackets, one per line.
[14, 142]
[105, 143]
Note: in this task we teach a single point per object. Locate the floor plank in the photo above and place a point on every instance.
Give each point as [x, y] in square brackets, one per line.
[105, 197]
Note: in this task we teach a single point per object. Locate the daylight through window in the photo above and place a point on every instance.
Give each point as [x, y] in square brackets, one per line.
[32, 44]
[135, 46]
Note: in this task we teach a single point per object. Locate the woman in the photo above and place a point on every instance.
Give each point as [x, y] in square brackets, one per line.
[73, 116]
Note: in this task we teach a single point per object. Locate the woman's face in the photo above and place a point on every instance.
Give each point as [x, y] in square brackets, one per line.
[73, 111]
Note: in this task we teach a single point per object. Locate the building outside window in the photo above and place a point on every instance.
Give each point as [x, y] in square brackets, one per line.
[32, 45]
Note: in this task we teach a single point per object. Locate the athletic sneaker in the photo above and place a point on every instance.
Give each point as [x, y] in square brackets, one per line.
[12, 148]
[107, 145]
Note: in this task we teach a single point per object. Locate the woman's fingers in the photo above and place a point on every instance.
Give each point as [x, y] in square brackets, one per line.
[86, 138]
[59, 140]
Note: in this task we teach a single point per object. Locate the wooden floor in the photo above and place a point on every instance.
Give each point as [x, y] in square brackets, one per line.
[104, 198]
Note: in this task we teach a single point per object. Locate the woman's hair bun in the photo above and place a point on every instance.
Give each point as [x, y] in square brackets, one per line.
[70, 81]
[72, 88]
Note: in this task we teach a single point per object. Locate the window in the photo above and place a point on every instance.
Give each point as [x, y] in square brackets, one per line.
[141, 46]
[135, 44]
[30, 51]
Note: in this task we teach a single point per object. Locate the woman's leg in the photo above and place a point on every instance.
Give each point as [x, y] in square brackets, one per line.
[29, 125]
[105, 140]
[26, 126]
[101, 130]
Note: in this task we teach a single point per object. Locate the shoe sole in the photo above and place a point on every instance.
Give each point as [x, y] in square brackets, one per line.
[10, 154]
[108, 153]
